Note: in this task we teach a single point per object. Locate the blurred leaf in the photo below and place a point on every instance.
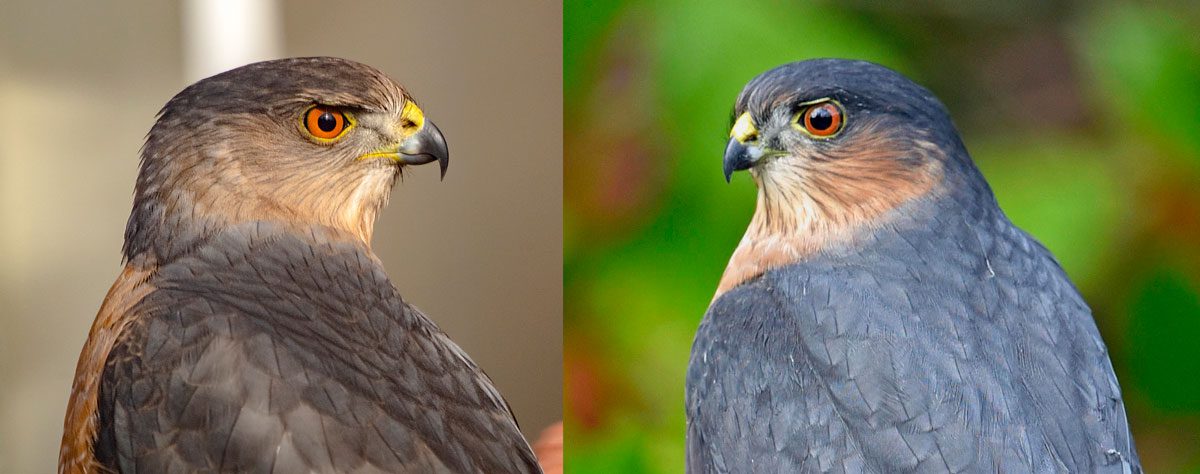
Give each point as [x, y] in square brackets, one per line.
[1063, 192]
[1164, 330]
[570, 234]
[1147, 65]
[618, 450]
[585, 23]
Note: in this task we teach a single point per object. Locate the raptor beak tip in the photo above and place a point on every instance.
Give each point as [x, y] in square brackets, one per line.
[737, 158]
[426, 146]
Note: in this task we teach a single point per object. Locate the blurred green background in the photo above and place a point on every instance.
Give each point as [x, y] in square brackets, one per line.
[1085, 118]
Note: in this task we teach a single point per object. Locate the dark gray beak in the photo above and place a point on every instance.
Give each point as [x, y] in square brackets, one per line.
[737, 158]
[426, 146]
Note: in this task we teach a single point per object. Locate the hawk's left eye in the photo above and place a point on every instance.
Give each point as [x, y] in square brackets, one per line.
[325, 123]
[821, 120]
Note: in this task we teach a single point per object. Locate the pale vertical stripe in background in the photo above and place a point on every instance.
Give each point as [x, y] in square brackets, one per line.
[219, 35]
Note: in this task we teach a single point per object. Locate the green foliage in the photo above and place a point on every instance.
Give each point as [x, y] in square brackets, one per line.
[1163, 329]
[585, 24]
[1146, 64]
[1062, 192]
[621, 448]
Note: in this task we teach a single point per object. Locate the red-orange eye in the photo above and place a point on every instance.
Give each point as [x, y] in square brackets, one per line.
[823, 120]
[325, 123]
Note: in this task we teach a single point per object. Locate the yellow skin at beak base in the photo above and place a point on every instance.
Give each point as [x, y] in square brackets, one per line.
[744, 129]
[414, 115]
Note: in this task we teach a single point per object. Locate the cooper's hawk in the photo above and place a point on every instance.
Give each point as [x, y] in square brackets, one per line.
[252, 328]
[881, 313]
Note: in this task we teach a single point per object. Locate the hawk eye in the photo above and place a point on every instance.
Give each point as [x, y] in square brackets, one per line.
[326, 124]
[821, 120]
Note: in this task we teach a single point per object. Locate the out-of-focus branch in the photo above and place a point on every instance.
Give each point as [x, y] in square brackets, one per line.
[549, 449]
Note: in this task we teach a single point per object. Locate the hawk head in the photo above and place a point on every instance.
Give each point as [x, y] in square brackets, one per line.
[844, 140]
[302, 141]
[835, 146]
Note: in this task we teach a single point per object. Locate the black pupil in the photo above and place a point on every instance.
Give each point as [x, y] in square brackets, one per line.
[820, 118]
[327, 122]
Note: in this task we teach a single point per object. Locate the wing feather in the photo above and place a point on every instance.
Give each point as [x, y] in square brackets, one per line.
[247, 359]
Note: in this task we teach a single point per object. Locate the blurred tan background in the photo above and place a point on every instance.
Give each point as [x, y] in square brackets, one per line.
[481, 252]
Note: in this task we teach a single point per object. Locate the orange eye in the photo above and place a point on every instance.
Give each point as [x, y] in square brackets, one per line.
[823, 120]
[325, 123]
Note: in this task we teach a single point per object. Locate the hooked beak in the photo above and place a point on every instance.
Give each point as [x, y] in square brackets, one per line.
[743, 149]
[739, 157]
[426, 146]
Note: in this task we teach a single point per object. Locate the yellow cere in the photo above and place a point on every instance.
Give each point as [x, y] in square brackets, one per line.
[414, 115]
[743, 129]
